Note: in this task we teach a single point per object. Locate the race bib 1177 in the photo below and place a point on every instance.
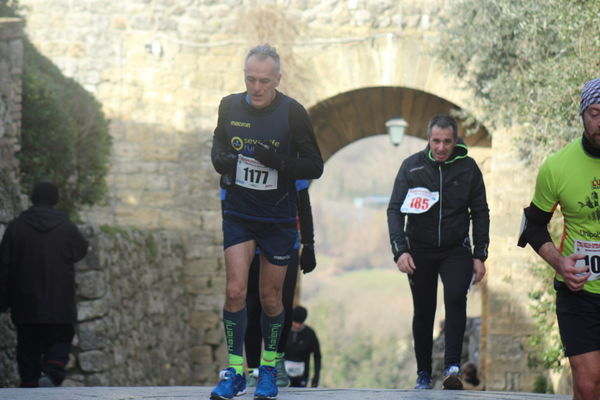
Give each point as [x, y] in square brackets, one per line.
[252, 174]
[419, 200]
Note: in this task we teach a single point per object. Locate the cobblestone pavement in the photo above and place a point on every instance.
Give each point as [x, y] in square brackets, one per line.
[202, 393]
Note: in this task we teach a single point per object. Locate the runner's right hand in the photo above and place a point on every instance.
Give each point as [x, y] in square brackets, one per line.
[406, 264]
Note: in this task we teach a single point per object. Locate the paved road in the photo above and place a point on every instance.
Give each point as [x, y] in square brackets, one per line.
[202, 393]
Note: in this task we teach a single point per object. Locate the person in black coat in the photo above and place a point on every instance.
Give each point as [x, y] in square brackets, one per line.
[37, 283]
[437, 206]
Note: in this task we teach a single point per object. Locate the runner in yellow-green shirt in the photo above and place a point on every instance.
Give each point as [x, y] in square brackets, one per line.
[571, 178]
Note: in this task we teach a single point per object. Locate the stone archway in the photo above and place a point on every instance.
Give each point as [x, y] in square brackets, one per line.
[350, 116]
[360, 113]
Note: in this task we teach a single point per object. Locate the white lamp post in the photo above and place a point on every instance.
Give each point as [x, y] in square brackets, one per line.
[396, 127]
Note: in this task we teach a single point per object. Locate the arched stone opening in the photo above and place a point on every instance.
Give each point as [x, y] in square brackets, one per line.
[360, 113]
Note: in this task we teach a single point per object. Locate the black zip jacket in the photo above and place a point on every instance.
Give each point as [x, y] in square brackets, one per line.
[446, 224]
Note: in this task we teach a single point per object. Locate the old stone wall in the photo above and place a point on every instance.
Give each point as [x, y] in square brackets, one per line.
[138, 314]
[11, 66]
[160, 67]
[11, 201]
[506, 324]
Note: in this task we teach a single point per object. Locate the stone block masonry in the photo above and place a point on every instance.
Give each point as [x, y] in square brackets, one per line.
[159, 69]
[11, 66]
[139, 322]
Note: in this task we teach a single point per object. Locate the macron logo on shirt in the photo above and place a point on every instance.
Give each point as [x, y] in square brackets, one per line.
[241, 124]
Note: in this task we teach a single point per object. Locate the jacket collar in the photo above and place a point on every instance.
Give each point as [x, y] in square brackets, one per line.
[460, 152]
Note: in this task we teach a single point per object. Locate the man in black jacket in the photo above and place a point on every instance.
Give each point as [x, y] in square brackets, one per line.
[37, 283]
[437, 194]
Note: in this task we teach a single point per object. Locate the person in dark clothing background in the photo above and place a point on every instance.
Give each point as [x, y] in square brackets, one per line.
[37, 283]
[301, 343]
[438, 199]
[308, 262]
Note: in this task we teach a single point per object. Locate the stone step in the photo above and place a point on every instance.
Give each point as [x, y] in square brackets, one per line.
[199, 392]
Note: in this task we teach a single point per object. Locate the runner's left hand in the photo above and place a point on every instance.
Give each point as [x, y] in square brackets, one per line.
[478, 270]
[308, 261]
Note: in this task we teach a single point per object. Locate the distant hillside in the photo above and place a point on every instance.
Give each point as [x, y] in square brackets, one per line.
[357, 236]
[359, 304]
[362, 319]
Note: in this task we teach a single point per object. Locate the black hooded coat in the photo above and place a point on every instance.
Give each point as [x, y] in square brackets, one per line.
[37, 273]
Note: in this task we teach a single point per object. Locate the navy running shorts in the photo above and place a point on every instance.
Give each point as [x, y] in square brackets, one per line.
[578, 315]
[275, 240]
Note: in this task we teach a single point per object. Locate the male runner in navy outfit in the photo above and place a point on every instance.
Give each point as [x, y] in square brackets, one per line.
[262, 144]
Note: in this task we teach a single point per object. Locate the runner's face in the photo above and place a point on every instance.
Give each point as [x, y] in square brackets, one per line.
[261, 79]
[591, 124]
[441, 142]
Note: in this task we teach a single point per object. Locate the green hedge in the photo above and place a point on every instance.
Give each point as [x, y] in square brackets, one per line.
[64, 133]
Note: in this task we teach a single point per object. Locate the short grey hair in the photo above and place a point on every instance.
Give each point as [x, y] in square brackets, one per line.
[263, 51]
[443, 121]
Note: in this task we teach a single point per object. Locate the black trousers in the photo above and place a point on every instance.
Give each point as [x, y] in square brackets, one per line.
[455, 267]
[253, 340]
[43, 348]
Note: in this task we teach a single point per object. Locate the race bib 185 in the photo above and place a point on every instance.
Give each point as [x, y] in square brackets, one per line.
[592, 257]
[252, 174]
[419, 200]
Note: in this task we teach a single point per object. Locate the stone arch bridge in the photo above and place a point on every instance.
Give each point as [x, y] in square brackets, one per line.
[160, 68]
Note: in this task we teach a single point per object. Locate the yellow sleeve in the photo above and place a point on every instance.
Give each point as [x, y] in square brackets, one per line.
[545, 196]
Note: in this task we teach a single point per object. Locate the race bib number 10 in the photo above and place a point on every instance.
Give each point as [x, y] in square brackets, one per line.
[419, 200]
[252, 174]
[592, 257]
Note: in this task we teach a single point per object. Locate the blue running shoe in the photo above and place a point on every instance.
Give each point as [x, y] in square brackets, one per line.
[266, 388]
[423, 380]
[452, 379]
[230, 385]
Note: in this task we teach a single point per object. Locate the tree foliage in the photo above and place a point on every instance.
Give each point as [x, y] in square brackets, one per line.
[525, 63]
[546, 337]
[64, 134]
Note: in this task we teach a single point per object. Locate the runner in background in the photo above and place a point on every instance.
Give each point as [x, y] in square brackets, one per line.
[438, 194]
[301, 343]
[307, 264]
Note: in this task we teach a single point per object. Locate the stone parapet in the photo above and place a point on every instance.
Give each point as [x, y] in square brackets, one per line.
[139, 320]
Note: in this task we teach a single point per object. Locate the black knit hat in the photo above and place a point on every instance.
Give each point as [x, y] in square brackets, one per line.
[299, 314]
[44, 193]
